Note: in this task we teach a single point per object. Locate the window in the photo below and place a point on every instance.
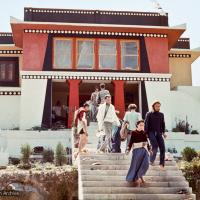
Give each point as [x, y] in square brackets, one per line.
[7, 71]
[62, 53]
[107, 54]
[85, 54]
[129, 55]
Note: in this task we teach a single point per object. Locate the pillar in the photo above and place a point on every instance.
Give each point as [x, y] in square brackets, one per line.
[119, 97]
[73, 99]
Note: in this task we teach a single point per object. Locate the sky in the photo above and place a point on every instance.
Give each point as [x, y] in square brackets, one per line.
[179, 11]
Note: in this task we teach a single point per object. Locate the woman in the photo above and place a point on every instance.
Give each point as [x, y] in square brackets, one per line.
[140, 156]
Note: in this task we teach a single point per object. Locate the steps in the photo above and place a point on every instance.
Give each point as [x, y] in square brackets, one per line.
[102, 176]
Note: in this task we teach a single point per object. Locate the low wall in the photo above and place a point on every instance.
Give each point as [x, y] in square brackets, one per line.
[11, 140]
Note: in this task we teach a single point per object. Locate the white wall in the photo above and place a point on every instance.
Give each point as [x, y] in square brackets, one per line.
[33, 93]
[9, 109]
[186, 102]
[160, 91]
[11, 141]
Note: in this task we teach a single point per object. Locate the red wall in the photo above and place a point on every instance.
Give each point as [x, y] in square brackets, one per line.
[157, 51]
[34, 48]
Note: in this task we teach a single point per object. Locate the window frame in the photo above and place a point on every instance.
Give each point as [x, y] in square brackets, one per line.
[54, 45]
[138, 55]
[15, 81]
[94, 53]
[116, 56]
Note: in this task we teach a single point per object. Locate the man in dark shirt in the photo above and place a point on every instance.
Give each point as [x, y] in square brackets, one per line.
[155, 128]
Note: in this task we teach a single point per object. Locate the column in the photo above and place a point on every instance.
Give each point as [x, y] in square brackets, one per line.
[119, 97]
[73, 99]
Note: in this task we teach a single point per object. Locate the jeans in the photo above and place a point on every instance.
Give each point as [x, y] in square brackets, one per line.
[156, 140]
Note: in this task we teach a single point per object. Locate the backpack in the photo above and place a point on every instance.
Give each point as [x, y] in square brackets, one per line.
[124, 132]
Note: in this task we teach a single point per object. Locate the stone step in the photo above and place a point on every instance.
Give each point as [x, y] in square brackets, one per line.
[135, 190]
[128, 184]
[108, 156]
[119, 162]
[124, 172]
[121, 167]
[122, 178]
[139, 197]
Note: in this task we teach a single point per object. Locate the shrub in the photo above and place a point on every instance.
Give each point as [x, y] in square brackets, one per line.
[194, 132]
[26, 152]
[14, 161]
[48, 155]
[60, 155]
[188, 154]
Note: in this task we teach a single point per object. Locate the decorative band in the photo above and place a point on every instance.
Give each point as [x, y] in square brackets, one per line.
[95, 78]
[10, 93]
[105, 33]
[176, 55]
[11, 51]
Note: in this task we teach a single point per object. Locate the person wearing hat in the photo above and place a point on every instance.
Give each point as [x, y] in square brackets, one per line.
[102, 93]
[106, 118]
[155, 128]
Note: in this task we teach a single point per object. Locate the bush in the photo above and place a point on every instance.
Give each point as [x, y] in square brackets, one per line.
[26, 152]
[195, 132]
[188, 154]
[60, 155]
[14, 161]
[48, 155]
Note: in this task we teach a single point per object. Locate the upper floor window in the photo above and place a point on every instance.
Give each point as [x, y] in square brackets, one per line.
[107, 54]
[7, 71]
[62, 53]
[85, 54]
[129, 55]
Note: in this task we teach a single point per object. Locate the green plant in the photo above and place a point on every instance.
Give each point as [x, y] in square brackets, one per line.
[60, 155]
[48, 155]
[26, 152]
[188, 154]
[194, 132]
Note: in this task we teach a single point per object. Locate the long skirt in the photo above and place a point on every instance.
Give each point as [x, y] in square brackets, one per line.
[139, 164]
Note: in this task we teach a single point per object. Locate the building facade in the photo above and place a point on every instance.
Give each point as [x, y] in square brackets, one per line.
[62, 54]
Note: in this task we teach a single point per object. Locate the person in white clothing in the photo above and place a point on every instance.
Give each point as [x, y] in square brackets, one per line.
[131, 117]
[106, 117]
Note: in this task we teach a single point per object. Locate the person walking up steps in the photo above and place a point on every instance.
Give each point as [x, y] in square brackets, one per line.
[131, 117]
[102, 93]
[106, 117]
[155, 128]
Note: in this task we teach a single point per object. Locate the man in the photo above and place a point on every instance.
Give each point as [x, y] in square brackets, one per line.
[81, 122]
[94, 103]
[155, 128]
[106, 118]
[102, 93]
[131, 117]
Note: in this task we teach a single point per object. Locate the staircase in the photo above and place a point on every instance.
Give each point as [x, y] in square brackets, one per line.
[102, 176]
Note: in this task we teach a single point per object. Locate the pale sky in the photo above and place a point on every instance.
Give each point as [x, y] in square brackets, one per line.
[180, 11]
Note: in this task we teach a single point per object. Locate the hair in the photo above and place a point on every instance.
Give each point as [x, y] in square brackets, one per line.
[86, 105]
[138, 122]
[58, 103]
[108, 95]
[154, 103]
[96, 87]
[102, 85]
[132, 107]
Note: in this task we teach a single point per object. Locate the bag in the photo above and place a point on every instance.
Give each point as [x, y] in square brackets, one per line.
[124, 132]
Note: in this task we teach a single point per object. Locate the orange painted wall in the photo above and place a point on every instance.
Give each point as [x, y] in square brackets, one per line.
[157, 51]
[34, 48]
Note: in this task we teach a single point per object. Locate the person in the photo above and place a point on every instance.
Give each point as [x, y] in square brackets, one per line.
[155, 128]
[94, 103]
[140, 156]
[57, 111]
[116, 139]
[106, 117]
[131, 117]
[102, 93]
[81, 122]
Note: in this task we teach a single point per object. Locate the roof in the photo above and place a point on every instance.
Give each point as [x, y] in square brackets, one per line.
[94, 16]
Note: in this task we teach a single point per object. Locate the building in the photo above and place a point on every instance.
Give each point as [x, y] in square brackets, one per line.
[61, 54]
